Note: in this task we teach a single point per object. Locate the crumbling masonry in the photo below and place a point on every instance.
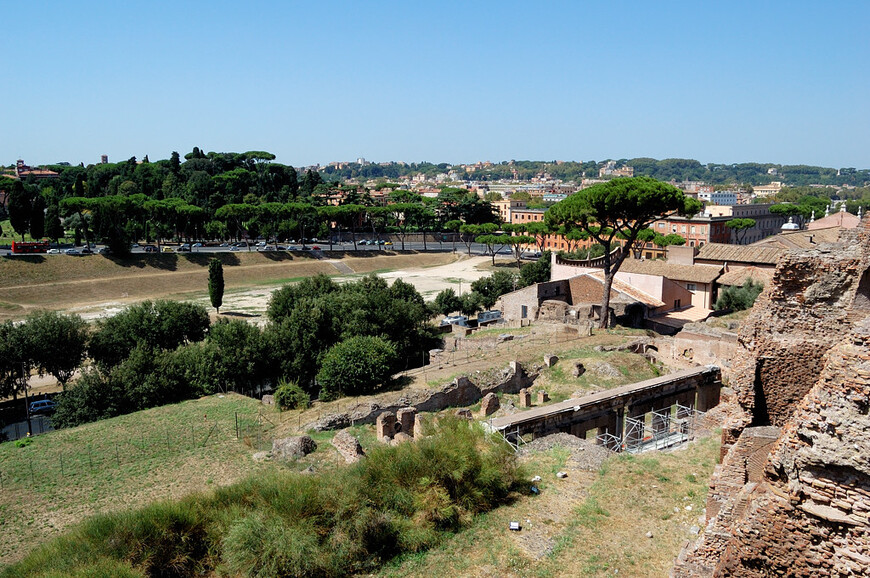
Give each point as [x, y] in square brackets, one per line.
[792, 495]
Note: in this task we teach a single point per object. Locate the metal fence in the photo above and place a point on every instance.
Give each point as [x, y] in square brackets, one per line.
[29, 468]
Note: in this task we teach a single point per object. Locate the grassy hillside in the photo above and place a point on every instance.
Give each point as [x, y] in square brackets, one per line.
[339, 522]
[121, 463]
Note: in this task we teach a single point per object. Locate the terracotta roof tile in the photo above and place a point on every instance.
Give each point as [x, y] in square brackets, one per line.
[672, 271]
[740, 253]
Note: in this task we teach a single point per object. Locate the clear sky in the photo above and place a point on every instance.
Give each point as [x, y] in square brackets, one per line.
[758, 81]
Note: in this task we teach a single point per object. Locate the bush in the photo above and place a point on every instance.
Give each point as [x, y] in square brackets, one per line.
[347, 521]
[739, 298]
[356, 366]
[535, 272]
[289, 395]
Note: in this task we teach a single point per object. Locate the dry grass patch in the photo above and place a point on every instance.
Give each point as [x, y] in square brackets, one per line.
[121, 463]
[589, 524]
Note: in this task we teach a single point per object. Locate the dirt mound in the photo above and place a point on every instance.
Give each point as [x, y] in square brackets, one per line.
[586, 455]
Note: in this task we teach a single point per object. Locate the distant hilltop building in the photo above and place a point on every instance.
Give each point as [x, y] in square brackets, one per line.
[104, 159]
[23, 171]
[767, 190]
[609, 169]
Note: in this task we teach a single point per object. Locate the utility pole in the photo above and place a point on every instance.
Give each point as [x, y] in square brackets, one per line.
[26, 400]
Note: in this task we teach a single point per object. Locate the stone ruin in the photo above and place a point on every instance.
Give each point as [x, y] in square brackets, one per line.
[489, 404]
[792, 494]
[398, 427]
[463, 391]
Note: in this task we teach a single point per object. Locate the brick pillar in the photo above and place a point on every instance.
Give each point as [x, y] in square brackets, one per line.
[543, 397]
[405, 417]
[525, 398]
[385, 426]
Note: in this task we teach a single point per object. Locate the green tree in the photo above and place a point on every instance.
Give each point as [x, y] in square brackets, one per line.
[37, 217]
[357, 366]
[216, 283]
[53, 227]
[20, 208]
[446, 302]
[494, 286]
[57, 343]
[739, 298]
[536, 272]
[153, 325]
[620, 207]
[740, 227]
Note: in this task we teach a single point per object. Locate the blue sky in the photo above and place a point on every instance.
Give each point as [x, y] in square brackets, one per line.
[782, 82]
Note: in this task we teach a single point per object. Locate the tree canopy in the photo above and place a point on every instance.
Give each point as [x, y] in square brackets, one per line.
[618, 210]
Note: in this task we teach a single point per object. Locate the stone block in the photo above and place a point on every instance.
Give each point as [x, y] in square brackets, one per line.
[292, 448]
[268, 399]
[525, 398]
[550, 360]
[385, 426]
[490, 404]
[405, 417]
[577, 369]
[348, 446]
[464, 413]
[401, 437]
[543, 397]
[419, 426]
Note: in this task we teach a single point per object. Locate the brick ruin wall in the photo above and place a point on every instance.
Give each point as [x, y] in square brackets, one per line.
[810, 516]
[805, 512]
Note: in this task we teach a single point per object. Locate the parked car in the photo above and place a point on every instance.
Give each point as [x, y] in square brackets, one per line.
[184, 248]
[292, 248]
[41, 406]
[197, 244]
[224, 245]
[72, 252]
[150, 249]
[87, 251]
[104, 251]
[315, 247]
[235, 248]
[53, 252]
[389, 243]
[266, 248]
[455, 320]
[168, 250]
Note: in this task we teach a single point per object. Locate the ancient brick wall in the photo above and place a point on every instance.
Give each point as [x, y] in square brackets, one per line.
[811, 516]
[807, 515]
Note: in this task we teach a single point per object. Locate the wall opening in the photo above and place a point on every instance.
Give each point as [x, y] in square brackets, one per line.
[760, 413]
[862, 296]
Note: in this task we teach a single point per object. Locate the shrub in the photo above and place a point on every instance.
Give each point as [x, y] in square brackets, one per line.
[289, 395]
[356, 366]
[347, 521]
[739, 298]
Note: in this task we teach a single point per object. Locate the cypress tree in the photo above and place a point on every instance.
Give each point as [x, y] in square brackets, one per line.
[216, 283]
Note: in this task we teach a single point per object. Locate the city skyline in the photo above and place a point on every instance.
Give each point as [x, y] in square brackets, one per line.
[781, 83]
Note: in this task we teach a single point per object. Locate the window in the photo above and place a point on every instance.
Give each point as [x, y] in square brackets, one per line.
[691, 287]
[661, 225]
[525, 311]
[693, 229]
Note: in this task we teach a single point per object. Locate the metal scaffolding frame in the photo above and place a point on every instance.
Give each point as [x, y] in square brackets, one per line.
[666, 428]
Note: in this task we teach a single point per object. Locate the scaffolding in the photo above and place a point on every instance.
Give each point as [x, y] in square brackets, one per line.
[655, 430]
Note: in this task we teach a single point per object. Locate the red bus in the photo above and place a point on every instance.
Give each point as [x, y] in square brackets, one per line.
[35, 247]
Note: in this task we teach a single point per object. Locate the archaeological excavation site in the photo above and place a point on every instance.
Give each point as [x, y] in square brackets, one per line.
[791, 496]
